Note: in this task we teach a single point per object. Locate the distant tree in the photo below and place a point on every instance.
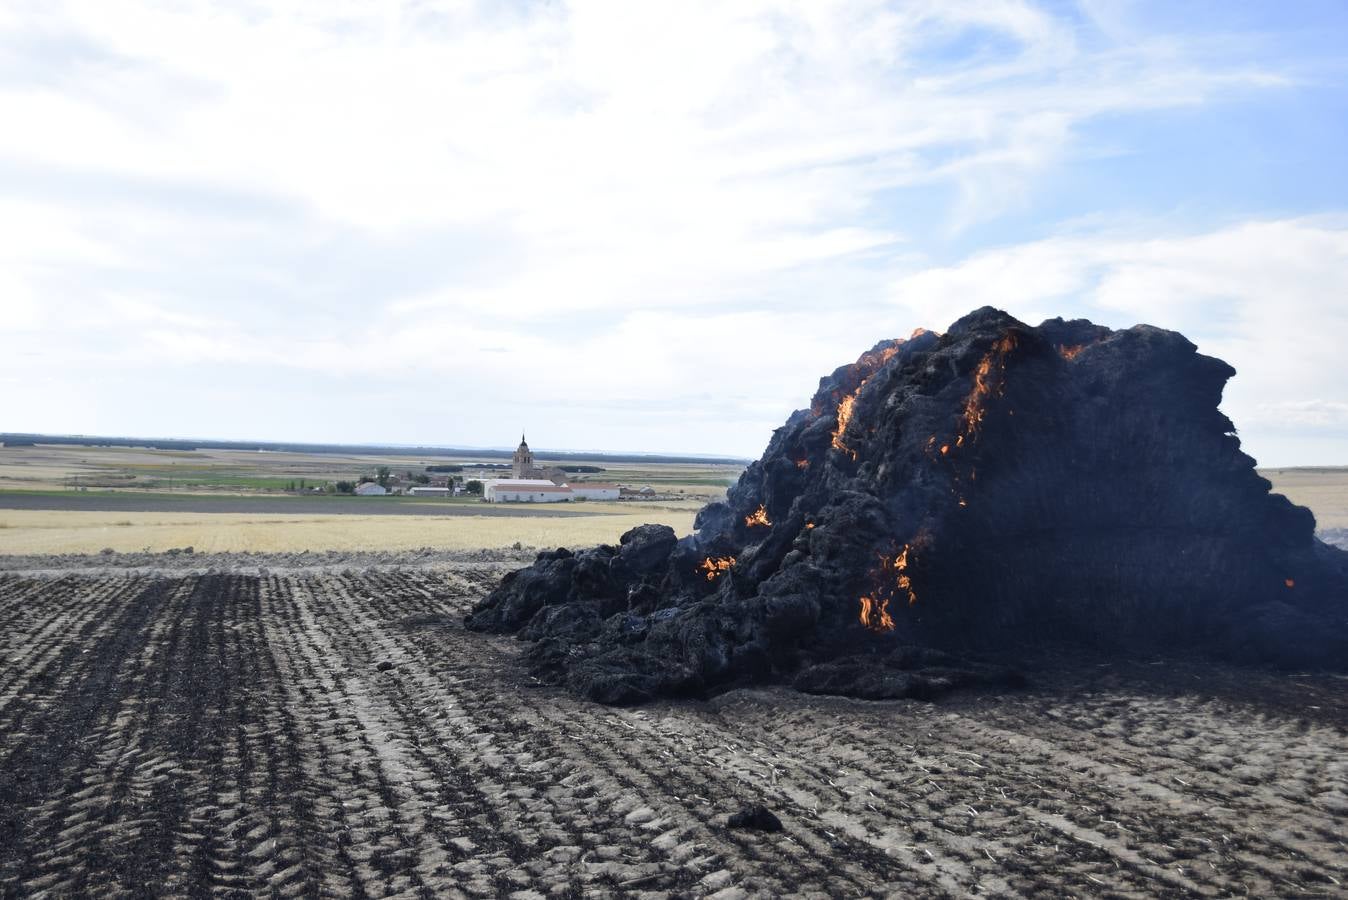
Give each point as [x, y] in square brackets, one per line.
[419, 479]
[346, 487]
[302, 486]
[473, 487]
[364, 479]
[445, 468]
[382, 476]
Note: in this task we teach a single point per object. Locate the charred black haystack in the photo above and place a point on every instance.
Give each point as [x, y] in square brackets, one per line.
[993, 488]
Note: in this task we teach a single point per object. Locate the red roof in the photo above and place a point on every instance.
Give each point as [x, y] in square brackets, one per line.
[531, 488]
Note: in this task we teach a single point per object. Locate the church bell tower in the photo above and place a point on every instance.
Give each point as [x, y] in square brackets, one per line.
[523, 460]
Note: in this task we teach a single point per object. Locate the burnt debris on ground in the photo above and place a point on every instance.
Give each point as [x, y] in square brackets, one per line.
[946, 498]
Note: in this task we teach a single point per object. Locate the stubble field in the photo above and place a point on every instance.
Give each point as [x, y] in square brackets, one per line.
[78, 531]
[309, 732]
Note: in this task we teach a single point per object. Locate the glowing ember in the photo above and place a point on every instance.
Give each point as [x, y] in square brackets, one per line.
[892, 578]
[1069, 351]
[872, 361]
[904, 581]
[716, 566]
[845, 416]
[802, 464]
[987, 379]
[1290, 583]
[867, 365]
[757, 518]
[875, 614]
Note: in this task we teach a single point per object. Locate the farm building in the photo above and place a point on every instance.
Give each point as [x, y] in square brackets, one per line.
[422, 490]
[594, 491]
[525, 490]
[370, 489]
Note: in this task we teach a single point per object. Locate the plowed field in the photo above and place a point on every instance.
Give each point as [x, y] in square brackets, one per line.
[312, 733]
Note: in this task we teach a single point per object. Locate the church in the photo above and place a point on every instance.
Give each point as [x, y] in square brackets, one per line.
[522, 466]
[531, 483]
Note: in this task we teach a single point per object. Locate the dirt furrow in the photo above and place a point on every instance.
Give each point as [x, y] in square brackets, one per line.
[385, 833]
[54, 634]
[536, 794]
[980, 800]
[74, 800]
[314, 733]
[645, 783]
[1206, 813]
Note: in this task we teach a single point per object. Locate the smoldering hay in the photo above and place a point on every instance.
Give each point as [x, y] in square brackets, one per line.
[947, 502]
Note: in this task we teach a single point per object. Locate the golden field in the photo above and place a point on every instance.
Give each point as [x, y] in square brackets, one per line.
[1324, 490]
[62, 531]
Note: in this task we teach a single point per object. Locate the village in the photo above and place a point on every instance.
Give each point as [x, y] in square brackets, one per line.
[529, 482]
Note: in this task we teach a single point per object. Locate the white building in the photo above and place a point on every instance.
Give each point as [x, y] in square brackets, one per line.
[586, 490]
[370, 489]
[525, 490]
[422, 490]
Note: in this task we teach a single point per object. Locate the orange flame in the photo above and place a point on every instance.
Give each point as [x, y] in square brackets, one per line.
[872, 362]
[758, 517]
[844, 416]
[904, 581]
[716, 566]
[892, 577]
[875, 614]
[987, 380]
[1289, 582]
[802, 464]
[866, 365]
[1069, 351]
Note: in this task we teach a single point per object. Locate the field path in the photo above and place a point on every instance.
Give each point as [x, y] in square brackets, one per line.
[341, 734]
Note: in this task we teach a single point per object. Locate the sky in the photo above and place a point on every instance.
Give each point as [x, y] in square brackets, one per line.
[647, 226]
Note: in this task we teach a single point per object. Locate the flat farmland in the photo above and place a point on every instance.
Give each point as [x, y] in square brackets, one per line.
[270, 530]
[304, 733]
[48, 467]
[1323, 490]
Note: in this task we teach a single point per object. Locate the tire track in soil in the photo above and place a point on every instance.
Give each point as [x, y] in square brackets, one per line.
[641, 775]
[1084, 793]
[481, 729]
[507, 839]
[954, 808]
[229, 823]
[232, 734]
[374, 830]
[537, 812]
[1166, 767]
[56, 630]
[57, 763]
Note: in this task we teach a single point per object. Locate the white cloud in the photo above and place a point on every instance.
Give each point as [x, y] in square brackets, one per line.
[641, 212]
[1266, 296]
[579, 119]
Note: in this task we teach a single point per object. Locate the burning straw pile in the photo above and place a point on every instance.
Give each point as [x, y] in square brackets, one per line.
[946, 498]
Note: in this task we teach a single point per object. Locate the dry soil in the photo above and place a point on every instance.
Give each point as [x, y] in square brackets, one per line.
[306, 731]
